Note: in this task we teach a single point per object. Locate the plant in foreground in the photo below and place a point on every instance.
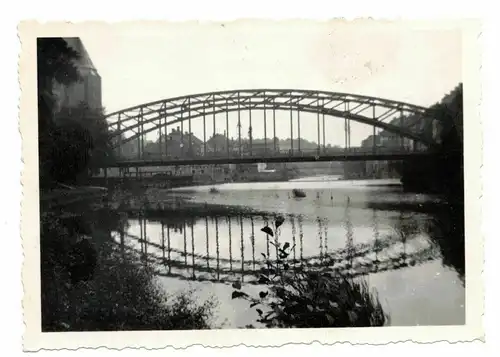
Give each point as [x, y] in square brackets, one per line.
[298, 297]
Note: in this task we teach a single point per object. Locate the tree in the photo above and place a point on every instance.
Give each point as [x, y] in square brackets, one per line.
[442, 174]
[94, 124]
[55, 64]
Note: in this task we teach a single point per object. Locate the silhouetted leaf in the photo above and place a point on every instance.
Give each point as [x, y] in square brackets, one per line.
[283, 255]
[254, 304]
[259, 311]
[279, 221]
[352, 316]
[330, 319]
[264, 279]
[238, 294]
[333, 304]
[286, 245]
[268, 231]
[263, 294]
[280, 292]
[237, 285]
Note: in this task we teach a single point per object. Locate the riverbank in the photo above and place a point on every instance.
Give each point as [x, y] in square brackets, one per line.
[123, 293]
[197, 246]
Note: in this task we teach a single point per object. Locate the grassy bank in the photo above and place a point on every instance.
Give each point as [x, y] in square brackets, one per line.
[122, 295]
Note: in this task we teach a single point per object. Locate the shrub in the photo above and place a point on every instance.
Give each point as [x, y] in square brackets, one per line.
[123, 295]
[297, 297]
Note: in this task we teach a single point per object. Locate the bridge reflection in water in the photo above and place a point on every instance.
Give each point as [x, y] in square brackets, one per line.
[229, 248]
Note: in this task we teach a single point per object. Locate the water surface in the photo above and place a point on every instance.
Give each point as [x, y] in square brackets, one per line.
[352, 227]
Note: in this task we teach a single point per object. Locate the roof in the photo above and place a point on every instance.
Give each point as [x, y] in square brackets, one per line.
[85, 61]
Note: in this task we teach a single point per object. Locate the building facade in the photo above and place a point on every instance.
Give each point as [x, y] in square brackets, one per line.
[88, 90]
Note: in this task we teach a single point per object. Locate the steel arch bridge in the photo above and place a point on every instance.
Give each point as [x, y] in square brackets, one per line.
[134, 123]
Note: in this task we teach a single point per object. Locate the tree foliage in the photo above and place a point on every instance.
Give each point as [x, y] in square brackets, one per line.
[123, 295]
[55, 65]
[93, 122]
[71, 140]
[444, 173]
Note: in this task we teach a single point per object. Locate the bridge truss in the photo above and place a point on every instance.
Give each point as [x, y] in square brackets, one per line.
[401, 119]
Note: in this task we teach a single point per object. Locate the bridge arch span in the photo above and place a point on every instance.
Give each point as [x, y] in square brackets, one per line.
[363, 109]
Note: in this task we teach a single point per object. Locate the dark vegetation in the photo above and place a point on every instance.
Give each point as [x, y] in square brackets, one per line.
[70, 140]
[444, 175]
[122, 293]
[87, 283]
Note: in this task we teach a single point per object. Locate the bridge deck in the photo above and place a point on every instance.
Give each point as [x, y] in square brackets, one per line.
[269, 159]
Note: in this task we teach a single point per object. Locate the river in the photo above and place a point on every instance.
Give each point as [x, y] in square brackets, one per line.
[363, 227]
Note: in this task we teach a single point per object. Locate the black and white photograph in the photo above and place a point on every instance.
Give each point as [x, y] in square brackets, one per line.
[250, 175]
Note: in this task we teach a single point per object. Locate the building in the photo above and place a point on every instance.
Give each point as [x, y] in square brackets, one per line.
[454, 101]
[219, 143]
[88, 90]
[180, 144]
[259, 147]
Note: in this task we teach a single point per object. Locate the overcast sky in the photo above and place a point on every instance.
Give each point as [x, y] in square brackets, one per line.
[412, 63]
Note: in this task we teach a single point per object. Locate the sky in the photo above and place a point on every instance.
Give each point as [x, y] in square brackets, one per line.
[416, 63]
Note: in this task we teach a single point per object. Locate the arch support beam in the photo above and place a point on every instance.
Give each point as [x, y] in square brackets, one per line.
[133, 123]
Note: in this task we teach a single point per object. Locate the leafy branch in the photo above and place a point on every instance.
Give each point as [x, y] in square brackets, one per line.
[296, 297]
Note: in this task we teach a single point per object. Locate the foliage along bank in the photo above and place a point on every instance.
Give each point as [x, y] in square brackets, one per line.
[121, 293]
[70, 140]
[444, 173]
